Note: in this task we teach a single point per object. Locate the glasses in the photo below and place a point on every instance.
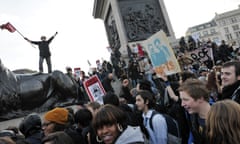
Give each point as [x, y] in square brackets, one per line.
[46, 124]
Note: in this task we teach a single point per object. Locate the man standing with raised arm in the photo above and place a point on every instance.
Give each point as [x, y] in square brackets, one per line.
[44, 51]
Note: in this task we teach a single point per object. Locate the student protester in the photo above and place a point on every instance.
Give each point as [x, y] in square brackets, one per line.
[59, 119]
[230, 76]
[222, 123]
[55, 120]
[213, 86]
[93, 107]
[110, 124]
[145, 102]
[83, 117]
[195, 99]
[69, 72]
[31, 128]
[59, 137]
[107, 83]
[172, 98]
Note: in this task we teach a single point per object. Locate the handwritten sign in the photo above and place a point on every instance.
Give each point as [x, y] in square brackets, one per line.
[94, 89]
[161, 54]
[201, 55]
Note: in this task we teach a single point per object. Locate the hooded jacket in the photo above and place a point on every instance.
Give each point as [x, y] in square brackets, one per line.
[131, 135]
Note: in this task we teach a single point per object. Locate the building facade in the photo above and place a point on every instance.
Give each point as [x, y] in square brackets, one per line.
[225, 26]
[205, 31]
[229, 25]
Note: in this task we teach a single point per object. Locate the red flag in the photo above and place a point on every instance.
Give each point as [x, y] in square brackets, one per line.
[8, 26]
[140, 50]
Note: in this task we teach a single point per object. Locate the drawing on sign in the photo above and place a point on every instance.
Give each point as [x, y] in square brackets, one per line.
[95, 90]
[161, 54]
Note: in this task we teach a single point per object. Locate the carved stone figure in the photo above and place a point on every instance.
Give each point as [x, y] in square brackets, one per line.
[112, 31]
[25, 93]
[142, 19]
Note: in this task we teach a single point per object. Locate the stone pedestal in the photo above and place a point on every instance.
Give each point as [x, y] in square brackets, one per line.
[132, 21]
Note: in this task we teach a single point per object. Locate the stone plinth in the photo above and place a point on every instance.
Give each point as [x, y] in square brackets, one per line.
[132, 21]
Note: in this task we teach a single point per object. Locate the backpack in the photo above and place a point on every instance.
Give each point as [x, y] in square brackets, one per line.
[173, 131]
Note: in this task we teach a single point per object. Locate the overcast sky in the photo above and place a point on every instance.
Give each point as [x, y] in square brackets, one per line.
[80, 36]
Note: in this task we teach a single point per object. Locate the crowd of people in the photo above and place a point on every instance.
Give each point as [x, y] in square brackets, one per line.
[204, 100]
[221, 52]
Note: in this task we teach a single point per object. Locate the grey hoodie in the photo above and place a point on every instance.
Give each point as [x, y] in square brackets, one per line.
[131, 135]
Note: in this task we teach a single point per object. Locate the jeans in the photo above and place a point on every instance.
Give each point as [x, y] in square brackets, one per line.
[48, 60]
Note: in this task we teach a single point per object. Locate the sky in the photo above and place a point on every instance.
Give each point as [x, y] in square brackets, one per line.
[80, 37]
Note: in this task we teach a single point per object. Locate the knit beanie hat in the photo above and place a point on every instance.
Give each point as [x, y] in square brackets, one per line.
[57, 115]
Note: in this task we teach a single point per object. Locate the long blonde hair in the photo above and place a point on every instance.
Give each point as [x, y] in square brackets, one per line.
[223, 123]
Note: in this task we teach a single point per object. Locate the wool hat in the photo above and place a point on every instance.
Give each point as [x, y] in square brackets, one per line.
[57, 115]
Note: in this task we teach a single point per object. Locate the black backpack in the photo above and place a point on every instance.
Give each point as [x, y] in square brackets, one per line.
[173, 131]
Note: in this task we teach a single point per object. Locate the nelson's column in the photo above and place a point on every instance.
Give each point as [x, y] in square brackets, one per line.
[132, 21]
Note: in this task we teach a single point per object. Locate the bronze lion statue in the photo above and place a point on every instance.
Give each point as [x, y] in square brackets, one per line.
[21, 94]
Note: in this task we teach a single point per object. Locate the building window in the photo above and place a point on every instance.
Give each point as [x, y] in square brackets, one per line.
[235, 27]
[213, 31]
[216, 40]
[233, 19]
[208, 25]
[223, 22]
[229, 37]
[205, 33]
[237, 34]
[199, 34]
[193, 29]
[226, 30]
[201, 27]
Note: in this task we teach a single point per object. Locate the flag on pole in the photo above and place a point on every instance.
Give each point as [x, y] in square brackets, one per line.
[8, 26]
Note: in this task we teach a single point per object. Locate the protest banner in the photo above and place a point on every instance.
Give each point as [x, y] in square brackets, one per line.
[161, 54]
[77, 71]
[201, 54]
[94, 89]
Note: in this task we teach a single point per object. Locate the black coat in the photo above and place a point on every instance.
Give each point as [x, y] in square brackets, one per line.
[232, 92]
[43, 47]
[107, 85]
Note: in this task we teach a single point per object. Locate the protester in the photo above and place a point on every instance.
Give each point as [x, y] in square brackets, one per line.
[107, 83]
[224, 51]
[230, 77]
[93, 107]
[44, 51]
[111, 127]
[83, 118]
[222, 123]
[195, 99]
[31, 128]
[134, 72]
[111, 98]
[125, 95]
[69, 72]
[148, 71]
[145, 103]
[213, 86]
[57, 138]
[55, 120]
